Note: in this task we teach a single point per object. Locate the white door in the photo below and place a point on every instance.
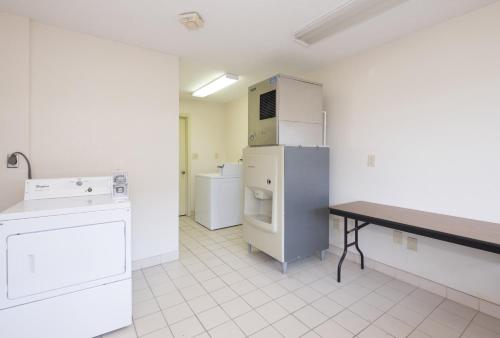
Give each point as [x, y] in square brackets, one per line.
[183, 186]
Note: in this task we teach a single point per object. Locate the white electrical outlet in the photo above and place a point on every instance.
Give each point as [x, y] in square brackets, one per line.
[336, 224]
[339, 223]
[370, 162]
[411, 243]
[216, 156]
[397, 237]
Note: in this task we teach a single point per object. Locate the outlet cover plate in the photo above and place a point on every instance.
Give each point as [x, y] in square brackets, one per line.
[397, 237]
[411, 243]
[13, 165]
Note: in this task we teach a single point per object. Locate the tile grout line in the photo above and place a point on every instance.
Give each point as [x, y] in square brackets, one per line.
[373, 291]
[353, 257]
[240, 296]
[158, 304]
[310, 303]
[217, 304]
[423, 320]
[328, 318]
[133, 320]
[407, 295]
[186, 301]
[199, 244]
[306, 303]
[469, 324]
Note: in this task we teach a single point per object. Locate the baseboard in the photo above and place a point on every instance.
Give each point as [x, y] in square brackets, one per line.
[476, 303]
[155, 260]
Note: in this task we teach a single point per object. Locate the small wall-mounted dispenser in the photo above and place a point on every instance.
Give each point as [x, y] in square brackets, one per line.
[120, 185]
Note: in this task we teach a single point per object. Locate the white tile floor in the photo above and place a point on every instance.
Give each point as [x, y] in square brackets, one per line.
[218, 289]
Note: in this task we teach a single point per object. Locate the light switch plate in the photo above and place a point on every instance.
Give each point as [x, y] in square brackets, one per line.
[370, 162]
[411, 243]
[194, 156]
[397, 237]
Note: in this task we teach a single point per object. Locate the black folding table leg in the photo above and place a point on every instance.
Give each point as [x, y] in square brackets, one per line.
[357, 246]
[339, 267]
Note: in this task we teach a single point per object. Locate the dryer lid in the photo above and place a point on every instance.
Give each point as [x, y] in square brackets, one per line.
[58, 206]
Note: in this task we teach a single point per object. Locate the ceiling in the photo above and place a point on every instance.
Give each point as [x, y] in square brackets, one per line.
[250, 38]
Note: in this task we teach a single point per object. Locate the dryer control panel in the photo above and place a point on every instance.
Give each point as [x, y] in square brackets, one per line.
[66, 187]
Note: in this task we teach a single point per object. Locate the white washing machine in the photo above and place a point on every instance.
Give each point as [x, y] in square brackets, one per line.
[65, 263]
[219, 197]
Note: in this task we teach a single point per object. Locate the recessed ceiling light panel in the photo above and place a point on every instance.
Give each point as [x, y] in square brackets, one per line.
[216, 85]
[341, 18]
[191, 20]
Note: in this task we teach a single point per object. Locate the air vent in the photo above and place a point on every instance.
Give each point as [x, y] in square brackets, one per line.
[268, 105]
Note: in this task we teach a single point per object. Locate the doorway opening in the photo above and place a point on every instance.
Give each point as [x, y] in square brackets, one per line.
[183, 167]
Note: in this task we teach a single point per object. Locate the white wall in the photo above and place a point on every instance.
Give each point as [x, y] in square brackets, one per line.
[98, 105]
[236, 128]
[428, 107]
[207, 139]
[14, 104]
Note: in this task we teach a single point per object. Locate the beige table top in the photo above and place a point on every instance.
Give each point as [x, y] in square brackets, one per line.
[457, 226]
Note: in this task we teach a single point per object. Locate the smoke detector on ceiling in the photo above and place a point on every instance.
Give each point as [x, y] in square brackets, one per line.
[191, 20]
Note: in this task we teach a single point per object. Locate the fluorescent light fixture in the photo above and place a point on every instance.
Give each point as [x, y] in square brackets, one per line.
[347, 15]
[216, 85]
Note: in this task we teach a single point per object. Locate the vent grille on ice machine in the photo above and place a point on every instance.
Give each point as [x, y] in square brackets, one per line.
[268, 105]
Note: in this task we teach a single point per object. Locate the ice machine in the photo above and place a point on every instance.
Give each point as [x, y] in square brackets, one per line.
[286, 201]
[285, 110]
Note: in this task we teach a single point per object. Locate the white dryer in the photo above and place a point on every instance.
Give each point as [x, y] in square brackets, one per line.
[65, 263]
[219, 197]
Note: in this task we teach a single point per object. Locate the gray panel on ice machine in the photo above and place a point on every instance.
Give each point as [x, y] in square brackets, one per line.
[285, 110]
[306, 201]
